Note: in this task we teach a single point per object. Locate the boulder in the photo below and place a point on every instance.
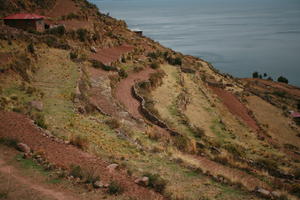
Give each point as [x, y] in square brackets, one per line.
[112, 167]
[263, 192]
[98, 184]
[93, 49]
[24, 148]
[37, 105]
[276, 194]
[143, 181]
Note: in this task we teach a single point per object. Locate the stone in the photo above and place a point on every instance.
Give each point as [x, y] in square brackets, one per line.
[276, 194]
[98, 184]
[24, 148]
[263, 192]
[37, 105]
[93, 49]
[112, 167]
[143, 181]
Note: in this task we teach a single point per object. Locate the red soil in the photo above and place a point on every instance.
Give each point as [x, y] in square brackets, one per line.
[124, 94]
[109, 55]
[62, 7]
[235, 107]
[19, 127]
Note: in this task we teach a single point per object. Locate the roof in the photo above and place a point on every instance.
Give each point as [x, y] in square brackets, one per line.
[24, 16]
[295, 115]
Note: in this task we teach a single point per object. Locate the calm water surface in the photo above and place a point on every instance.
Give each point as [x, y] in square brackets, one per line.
[236, 36]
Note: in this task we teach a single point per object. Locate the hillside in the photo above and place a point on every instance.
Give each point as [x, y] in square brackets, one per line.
[105, 113]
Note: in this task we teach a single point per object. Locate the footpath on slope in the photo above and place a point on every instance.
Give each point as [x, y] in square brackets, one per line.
[12, 172]
[124, 95]
[19, 127]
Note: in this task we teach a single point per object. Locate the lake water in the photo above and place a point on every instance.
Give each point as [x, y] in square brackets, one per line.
[237, 36]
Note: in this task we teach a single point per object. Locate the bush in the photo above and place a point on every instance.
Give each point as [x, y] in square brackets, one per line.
[236, 150]
[113, 123]
[156, 182]
[283, 79]
[155, 79]
[82, 34]
[115, 188]
[73, 55]
[255, 75]
[9, 142]
[280, 93]
[267, 164]
[97, 64]
[174, 61]
[40, 120]
[79, 141]
[154, 65]
[122, 73]
[76, 171]
[30, 48]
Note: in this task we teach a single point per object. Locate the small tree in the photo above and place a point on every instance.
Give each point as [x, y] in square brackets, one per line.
[270, 78]
[265, 74]
[255, 75]
[283, 79]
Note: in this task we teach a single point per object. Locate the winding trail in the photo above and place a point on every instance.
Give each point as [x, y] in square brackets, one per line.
[13, 172]
[124, 95]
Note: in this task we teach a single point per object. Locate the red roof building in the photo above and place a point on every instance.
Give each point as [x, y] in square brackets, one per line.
[26, 21]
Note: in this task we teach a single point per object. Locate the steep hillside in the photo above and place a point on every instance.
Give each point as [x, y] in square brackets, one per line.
[114, 115]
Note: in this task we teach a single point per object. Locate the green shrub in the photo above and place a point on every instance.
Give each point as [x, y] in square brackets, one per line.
[156, 182]
[235, 150]
[122, 73]
[113, 123]
[280, 93]
[39, 120]
[73, 55]
[115, 188]
[82, 34]
[76, 171]
[255, 75]
[174, 61]
[79, 141]
[9, 142]
[154, 65]
[283, 79]
[267, 164]
[155, 79]
[97, 64]
[30, 48]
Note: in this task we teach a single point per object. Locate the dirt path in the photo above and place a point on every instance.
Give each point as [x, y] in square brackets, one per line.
[19, 127]
[234, 175]
[124, 94]
[235, 107]
[13, 172]
[109, 55]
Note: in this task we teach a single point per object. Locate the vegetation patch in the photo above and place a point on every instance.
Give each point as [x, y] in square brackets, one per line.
[156, 182]
[115, 188]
